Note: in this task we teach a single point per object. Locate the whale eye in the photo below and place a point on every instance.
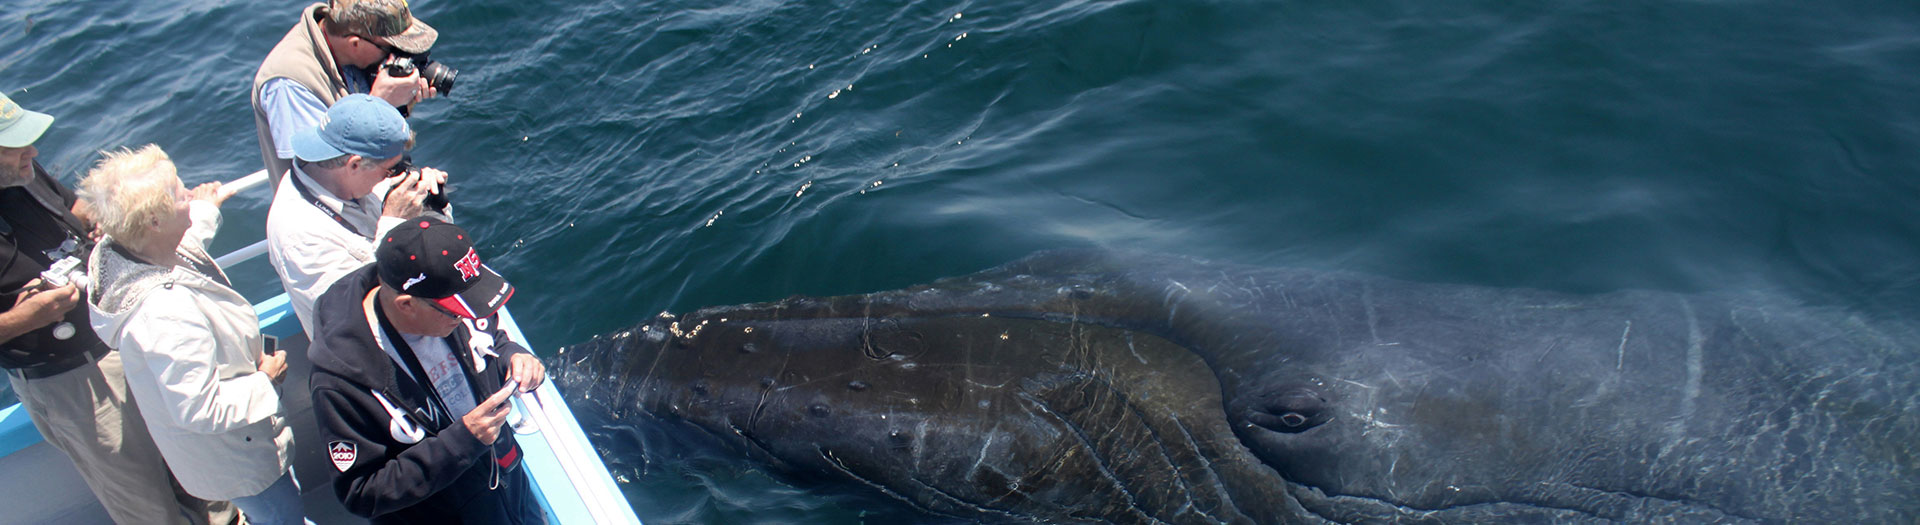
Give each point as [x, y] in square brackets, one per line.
[1290, 411]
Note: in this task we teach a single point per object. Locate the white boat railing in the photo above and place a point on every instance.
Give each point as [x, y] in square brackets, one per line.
[257, 179]
[248, 182]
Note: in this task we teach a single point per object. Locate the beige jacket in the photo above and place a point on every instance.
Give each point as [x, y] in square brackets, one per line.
[191, 348]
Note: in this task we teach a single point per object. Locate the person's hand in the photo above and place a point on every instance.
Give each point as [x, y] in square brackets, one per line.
[213, 192]
[403, 199]
[274, 364]
[528, 370]
[485, 420]
[83, 210]
[400, 91]
[45, 306]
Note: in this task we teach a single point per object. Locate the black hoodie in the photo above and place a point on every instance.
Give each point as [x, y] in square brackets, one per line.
[427, 468]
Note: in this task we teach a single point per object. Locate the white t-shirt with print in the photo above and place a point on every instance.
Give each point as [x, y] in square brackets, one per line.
[444, 370]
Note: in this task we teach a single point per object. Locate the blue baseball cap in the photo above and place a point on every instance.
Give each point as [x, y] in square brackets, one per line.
[356, 125]
[19, 127]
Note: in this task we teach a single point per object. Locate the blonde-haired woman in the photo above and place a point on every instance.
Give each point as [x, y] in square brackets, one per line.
[190, 343]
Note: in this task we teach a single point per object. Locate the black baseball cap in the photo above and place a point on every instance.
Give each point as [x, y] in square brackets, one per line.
[428, 258]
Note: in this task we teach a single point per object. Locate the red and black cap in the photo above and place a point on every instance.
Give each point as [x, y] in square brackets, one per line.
[431, 259]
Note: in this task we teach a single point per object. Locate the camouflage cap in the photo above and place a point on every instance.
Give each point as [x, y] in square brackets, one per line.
[389, 20]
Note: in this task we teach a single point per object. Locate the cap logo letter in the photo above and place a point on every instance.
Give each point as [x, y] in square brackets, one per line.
[469, 266]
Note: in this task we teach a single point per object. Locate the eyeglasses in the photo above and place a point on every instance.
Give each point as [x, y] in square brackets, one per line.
[442, 309]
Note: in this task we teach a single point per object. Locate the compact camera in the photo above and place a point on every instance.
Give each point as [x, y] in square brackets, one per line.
[67, 265]
[64, 271]
[438, 75]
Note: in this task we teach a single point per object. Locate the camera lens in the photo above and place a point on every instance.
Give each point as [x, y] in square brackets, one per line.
[439, 76]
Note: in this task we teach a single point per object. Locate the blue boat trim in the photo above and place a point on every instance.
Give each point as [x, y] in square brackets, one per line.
[17, 430]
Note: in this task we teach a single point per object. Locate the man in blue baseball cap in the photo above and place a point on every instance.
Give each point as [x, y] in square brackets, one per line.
[350, 183]
[70, 383]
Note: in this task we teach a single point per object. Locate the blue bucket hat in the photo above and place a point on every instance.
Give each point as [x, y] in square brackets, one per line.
[19, 127]
[356, 125]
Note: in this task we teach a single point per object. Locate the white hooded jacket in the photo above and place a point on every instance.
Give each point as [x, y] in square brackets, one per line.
[191, 347]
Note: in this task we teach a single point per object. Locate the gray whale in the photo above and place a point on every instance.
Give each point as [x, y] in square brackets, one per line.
[1089, 386]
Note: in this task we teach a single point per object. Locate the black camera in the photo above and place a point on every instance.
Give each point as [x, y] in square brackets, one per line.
[438, 75]
[435, 201]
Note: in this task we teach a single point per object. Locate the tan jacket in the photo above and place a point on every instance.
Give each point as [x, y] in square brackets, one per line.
[303, 57]
[191, 347]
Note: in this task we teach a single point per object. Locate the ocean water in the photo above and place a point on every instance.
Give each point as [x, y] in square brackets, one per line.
[618, 159]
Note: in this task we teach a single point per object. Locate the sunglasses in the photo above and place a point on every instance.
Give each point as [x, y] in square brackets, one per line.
[442, 309]
[376, 43]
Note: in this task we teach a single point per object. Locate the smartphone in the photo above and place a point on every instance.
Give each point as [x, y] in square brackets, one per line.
[519, 419]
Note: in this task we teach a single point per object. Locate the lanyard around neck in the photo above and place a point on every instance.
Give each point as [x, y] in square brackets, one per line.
[390, 339]
[307, 194]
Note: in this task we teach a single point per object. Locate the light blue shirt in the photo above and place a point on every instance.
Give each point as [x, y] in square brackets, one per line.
[291, 108]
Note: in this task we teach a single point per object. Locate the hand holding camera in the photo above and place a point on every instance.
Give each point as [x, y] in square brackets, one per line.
[399, 91]
[46, 303]
[439, 77]
[418, 190]
[54, 282]
[406, 78]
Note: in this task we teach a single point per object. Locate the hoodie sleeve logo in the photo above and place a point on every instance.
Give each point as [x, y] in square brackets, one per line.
[342, 453]
[399, 427]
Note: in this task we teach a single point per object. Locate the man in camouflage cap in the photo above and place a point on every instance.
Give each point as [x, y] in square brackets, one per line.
[336, 50]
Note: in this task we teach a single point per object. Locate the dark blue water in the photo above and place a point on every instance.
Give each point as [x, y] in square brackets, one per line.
[620, 158]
